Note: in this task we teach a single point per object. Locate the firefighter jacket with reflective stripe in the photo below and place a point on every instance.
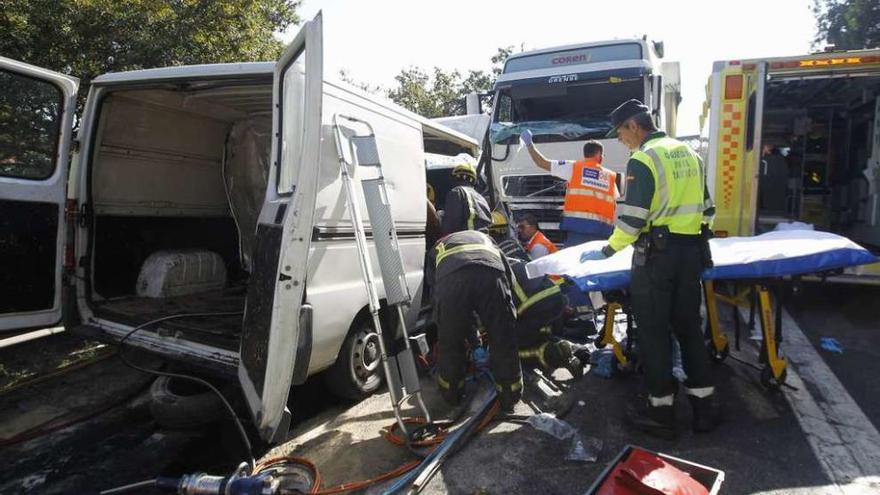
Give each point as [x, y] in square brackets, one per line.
[589, 199]
[666, 186]
[465, 209]
[540, 239]
[461, 249]
[533, 294]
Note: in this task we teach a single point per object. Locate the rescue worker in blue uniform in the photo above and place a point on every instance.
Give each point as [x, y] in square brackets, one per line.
[665, 214]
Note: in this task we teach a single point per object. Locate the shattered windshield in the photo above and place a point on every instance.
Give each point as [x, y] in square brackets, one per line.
[561, 112]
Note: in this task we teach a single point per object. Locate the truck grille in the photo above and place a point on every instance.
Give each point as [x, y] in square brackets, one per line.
[534, 186]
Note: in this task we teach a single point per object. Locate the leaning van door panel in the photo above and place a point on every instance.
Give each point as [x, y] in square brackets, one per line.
[272, 323]
[36, 122]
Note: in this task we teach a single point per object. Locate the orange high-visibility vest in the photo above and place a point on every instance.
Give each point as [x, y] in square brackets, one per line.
[590, 194]
[540, 238]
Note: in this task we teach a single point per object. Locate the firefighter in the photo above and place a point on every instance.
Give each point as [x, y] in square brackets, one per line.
[470, 276]
[501, 234]
[591, 192]
[665, 214]
[541, 302]
[537, 244]
[464, 207]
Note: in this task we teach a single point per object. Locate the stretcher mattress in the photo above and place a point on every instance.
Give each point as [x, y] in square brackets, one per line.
[774, 254]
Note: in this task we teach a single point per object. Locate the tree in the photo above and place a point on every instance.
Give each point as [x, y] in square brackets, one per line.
[847, 24]
[442, 93]
[85, 38]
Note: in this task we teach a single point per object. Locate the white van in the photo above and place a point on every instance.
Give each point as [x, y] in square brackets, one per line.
[222, 184]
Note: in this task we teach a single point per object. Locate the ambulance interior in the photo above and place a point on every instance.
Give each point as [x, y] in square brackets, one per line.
[816, 137]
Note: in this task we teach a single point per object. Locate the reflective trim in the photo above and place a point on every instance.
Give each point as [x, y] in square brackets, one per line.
[446, 385]
[666, 400]
[514, 387]
[683, 210]
[633, 211]
[535, 353]
[662, 188]
[591, 192]
[471, 212]
[526, 302]
[700, 393]
[587, 216]
[626, 228]
[442, 252]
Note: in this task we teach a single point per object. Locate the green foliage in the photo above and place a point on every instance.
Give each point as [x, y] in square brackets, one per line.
[847, 24]
[85, 38]
[442, 93]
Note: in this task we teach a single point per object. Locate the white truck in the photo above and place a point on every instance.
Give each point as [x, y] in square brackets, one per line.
[564, 95]
[797, 139]
[222, 183]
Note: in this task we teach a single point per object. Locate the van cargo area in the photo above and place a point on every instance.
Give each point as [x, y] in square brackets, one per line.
[178, 174]
[816, 136]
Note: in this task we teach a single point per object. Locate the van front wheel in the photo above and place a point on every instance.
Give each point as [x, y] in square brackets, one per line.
[357, 372]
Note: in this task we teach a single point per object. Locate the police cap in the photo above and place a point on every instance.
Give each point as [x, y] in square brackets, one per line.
[624, 112]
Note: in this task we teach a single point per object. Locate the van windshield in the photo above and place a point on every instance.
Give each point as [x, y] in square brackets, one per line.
[561, 111]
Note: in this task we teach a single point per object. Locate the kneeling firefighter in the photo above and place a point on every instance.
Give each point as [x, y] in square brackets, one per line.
[540, 302]
[470, 276]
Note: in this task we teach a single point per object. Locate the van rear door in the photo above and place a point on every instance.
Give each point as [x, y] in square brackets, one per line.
[36, 117]
[276, 338]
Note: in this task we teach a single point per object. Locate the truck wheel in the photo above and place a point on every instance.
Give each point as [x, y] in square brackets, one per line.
[180, 404]
[357, 372]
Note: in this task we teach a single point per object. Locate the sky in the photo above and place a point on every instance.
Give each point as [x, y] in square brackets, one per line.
[374, 39]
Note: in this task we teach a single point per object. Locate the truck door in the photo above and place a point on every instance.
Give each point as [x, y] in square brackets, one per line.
[276, 338]
[36, 121]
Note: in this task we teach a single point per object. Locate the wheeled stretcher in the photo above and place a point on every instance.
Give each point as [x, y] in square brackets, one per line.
[759, 263]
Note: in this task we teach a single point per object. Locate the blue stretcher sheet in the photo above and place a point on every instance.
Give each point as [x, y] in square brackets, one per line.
[774, 254]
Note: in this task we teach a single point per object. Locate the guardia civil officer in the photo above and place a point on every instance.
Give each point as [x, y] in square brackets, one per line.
[665, 214]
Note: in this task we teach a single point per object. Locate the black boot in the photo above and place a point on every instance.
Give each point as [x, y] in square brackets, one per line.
[658, 421]
[706, 413]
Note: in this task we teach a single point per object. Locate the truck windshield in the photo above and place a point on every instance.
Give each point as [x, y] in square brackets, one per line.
[561, 111]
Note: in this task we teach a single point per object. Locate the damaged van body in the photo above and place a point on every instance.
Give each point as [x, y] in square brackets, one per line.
[212, 190]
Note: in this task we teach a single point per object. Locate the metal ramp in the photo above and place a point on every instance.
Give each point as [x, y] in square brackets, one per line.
[363, 154]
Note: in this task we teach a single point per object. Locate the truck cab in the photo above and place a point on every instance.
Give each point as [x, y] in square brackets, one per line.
[564, 95]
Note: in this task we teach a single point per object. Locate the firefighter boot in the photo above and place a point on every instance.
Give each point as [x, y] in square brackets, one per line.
[452, 393]
[706, 413]
[658, 421]
[509, 394]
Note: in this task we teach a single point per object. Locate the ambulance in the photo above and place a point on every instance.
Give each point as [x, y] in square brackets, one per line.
[797, 139]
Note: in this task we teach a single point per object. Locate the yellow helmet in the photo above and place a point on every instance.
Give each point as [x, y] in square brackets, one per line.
[499, 222]
[465, 171]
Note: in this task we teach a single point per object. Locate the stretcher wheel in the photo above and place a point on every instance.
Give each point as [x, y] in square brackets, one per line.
[718, 356]
[769, 381]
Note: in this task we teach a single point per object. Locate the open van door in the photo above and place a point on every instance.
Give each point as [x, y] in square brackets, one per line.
[276, 337]
[36, 122]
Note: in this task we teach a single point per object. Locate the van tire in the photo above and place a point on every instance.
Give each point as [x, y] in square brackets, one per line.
[179, 404]
[357, 372]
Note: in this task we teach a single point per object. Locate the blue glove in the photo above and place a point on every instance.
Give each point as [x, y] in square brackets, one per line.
[526, 137]
[593, 255]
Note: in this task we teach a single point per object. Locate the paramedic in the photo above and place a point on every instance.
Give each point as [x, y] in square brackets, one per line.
[535, 241]
[665, 215]
[588, 210]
